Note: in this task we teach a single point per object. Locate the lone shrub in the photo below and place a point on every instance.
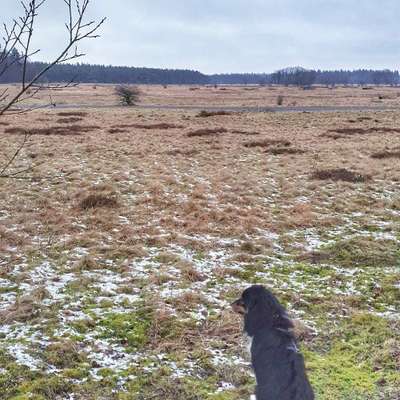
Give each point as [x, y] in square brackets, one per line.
[127, 95]
[279, 100]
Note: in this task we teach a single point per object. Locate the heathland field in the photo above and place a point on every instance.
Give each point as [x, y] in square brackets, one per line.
[123, 248]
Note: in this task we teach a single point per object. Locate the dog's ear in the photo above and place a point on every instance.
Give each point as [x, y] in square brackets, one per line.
[253, 296]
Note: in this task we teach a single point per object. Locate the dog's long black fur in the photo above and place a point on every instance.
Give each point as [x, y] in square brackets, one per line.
[277, 363]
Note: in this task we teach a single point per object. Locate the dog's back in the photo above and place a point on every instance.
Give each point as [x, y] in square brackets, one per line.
[277, 363]
[279, 368]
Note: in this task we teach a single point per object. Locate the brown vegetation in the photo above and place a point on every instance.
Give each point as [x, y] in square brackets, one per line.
[205, 114]
[70, 120]
[206, 132]
[246, 133]
[340, 174]
[361, 131]
[284, 150]
[53, 130]
[395, 153]
[268, 142]
[72, 114]
[98, 200]
[150, 126]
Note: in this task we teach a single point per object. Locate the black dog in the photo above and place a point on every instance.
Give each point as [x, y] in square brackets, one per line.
[277, 363]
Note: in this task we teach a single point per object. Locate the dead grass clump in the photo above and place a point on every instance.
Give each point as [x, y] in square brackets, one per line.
[186, 153]
[70, 120]
[340, 174]
[302, 332]
[246, 133]
[116, 130]
[205, 114]
[87, 263]
[64, 354]
[250, 247]
[386, 154]
[360, 131]
[162, 125]
[11, 238]
[206, 132]
[72, 114]
[268, 142]
[314, 257]
[349, 131]
[300, 216]
[189, 272]
[188, 300]
[98, 200]
[284, 150]
[53, 130]
[25, 308]
[127, 250]
[168, 258]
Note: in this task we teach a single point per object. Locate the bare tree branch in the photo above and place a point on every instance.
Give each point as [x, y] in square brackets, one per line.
[14, 156]
[16, 50]
[77, 28]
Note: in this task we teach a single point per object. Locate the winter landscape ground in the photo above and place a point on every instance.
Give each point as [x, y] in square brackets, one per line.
[121, 252]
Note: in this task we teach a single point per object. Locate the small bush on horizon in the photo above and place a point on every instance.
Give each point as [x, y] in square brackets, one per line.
[127, 95]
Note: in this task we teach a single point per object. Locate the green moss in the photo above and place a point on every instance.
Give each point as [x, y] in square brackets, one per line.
[364, 252]
[359, 357]
[128, 328]
[336, 376]
[48, 387]
[161, 384]
[82, 326]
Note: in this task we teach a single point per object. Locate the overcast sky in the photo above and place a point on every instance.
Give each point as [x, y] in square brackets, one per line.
[231, 35]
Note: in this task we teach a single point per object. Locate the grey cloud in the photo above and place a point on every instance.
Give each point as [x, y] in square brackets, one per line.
[233, 35]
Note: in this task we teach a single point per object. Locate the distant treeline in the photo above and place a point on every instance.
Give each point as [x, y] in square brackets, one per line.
[303, 77]
[87, 73]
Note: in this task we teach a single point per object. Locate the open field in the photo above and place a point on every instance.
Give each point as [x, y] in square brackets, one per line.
[227, 96]
[121, 253]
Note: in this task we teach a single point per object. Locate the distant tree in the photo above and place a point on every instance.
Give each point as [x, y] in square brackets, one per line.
[127, 95]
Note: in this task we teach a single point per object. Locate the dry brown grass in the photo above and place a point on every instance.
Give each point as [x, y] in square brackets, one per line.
[70, 120]
[206, 114]
[395, 153]
[246, 133]
[284, 150]
[70, 130]
[116, 130]
[25, 308]
[98, 200]
[161, 126]
[189, 272]
[209, 200]
[340, 174]
[181, 152]
[206, 132]
[180, 95]
[267, 142]
[362, 131]
[72, 114]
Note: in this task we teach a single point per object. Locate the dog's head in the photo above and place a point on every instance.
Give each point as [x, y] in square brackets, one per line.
[261, 309]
